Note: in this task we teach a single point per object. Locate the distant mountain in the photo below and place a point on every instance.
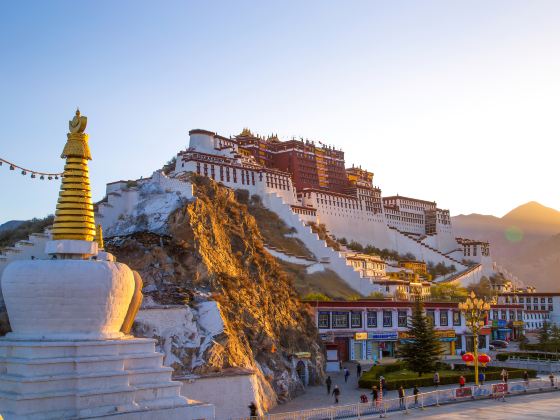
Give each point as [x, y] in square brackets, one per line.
[526, 241]
[10, 225]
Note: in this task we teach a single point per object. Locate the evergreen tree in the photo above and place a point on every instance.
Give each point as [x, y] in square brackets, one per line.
[422, 350]
[544, 334]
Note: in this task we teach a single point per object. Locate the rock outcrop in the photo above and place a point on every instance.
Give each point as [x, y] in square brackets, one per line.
[233, 305]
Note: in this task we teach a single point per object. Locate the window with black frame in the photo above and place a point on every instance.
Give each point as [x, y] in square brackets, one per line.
[340, 320]
[443, 318]
[402, 319]
[324, 320]
[387, 319]
[456, 318]
[356, 320]
[372, 319]
[431, 315]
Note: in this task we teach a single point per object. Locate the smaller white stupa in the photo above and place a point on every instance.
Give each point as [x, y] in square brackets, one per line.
[70, 355]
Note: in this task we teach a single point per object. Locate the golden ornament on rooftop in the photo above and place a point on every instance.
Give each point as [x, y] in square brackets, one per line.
[74, 211]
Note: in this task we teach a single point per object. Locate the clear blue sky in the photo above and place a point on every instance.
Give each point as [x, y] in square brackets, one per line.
[444, 100]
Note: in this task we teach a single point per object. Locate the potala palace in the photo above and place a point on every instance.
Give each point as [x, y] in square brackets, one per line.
[305, 184]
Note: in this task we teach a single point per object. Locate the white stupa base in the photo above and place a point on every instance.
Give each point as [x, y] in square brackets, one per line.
[86, 379]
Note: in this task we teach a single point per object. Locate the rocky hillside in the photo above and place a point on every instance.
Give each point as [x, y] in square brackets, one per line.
[212, 251]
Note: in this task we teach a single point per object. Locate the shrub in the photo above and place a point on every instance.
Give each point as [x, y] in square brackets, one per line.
[316, 296]
[502, 357]
[447, 377]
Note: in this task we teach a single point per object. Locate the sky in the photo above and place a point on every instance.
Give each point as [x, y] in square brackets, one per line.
[450, 101]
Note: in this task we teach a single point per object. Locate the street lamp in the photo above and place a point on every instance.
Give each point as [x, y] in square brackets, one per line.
[475, 311]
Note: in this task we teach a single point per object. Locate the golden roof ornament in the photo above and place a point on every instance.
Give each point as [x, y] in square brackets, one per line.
[74, 211]
[99, 237]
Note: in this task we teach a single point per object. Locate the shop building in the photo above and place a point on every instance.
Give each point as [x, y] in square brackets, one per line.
[373, 329]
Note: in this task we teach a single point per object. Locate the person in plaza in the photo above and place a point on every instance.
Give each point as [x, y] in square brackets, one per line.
[526, 379]
[401, 397]
[374, 395]
[363, 398]
[346, 374]
[551, 377]
[253, 409]
[481, 377]
[504, 376]
[328, 382]
[359, 370]
[436, 379]
[383, 387]
[336, 393]
[461, 381]
[416, 391]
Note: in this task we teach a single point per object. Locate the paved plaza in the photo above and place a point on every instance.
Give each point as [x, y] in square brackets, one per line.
[523, 407]
[316, 397]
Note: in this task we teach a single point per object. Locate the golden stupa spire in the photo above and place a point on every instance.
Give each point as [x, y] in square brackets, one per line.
[74, 211]
[99, 237]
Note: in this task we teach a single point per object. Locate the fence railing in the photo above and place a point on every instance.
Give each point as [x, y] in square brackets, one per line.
[548, 366]
[425, 399]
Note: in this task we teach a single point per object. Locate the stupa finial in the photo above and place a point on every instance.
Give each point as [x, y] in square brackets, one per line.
[74, 211]
[99, 237]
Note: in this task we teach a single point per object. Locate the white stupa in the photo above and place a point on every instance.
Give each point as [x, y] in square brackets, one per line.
[69, 354]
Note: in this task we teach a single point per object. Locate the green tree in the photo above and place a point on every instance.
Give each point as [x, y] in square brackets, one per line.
[482, 289]
[448, 291]
[544, 334]
[423, 350]
[555, 336]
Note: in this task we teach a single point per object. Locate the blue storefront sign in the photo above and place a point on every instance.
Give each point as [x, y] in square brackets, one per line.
[390, 336]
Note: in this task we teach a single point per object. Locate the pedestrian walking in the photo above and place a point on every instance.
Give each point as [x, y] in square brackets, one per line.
[359, 370]
[401, 397]
[346, 374]
[504, 376]
[328, 382]
[526, 379]
[363, 398]
[253, 409]
[416, 391]
[336, 393]
[461, 381]
[551, 377]
[436, 379]
[374, 395]
[481, 378]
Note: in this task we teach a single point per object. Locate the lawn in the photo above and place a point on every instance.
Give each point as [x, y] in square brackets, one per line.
[397, 375]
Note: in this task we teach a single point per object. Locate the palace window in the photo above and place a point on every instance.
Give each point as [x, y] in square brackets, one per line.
[198, 168]
[387, 319]
[324, 320]
[212, 173]
[221, 173]
[340, 320]
[456, 318]
[503, 314]
[356, 320]
[227, 174]
[521, 300]
[443, 318]
[205, 169]
[511, 314]
[372, 319]
[402, 318]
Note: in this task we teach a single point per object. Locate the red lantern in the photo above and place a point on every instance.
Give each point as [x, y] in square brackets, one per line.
[484, 359]
[468, 358]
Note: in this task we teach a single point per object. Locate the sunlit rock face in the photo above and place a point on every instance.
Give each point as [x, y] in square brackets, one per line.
[239, 307]
[67, 299]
